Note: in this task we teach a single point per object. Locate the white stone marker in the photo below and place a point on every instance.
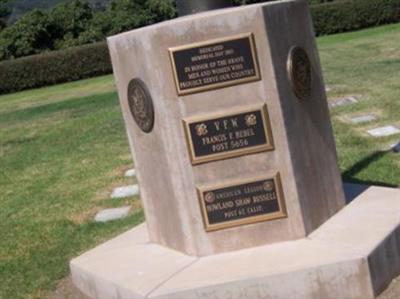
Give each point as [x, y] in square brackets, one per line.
[125, 191]
[343, 101]
[130, 173]
[112, 214]
[363, 118]
[396, 147]
[384, 131]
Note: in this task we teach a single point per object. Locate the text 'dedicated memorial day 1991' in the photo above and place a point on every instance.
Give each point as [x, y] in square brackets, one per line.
[215, 64]
[242, 203]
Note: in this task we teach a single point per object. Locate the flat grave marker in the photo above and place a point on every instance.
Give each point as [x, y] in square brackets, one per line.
[125, 191]
[363, 118]
[112, 214]
[130, 173]
[396, 147]
[384, 131]
[343, 101]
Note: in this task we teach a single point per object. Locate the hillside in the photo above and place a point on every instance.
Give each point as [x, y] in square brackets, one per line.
[19, 7]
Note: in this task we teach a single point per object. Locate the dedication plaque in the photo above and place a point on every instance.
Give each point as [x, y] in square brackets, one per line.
[215, 64]
[241, 203]
[228, 135]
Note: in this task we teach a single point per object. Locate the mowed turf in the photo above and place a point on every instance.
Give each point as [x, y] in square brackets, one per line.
[365, 63]
[63, 149]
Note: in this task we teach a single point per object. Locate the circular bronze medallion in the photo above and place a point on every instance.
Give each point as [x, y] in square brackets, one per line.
[299, 69]
[141, 105]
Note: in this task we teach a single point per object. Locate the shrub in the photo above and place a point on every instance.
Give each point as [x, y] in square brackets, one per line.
[313, 2]
[54, 67]
[341, 16]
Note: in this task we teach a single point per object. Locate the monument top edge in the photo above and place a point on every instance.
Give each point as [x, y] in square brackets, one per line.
[200, 15]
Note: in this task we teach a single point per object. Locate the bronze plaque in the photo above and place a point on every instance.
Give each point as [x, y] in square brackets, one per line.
[228, 135]
[141, 105]
[300, 72]
[241, 203]
[215, 64]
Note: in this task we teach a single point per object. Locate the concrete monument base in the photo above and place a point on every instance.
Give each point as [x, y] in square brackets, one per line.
[354, 255]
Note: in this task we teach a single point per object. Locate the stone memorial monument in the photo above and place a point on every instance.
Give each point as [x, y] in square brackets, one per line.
[229, 127]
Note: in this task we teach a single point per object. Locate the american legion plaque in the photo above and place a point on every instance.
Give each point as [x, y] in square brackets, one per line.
[229, 127]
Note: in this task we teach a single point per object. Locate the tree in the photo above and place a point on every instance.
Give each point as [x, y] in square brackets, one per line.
[160, 10]
[4, 9]
[29, 35]
[2, 25]
[68, 21]
[126, 15]
[75, 22]
[98, 29]
[130, 14]
[4, 12]
[122, 15]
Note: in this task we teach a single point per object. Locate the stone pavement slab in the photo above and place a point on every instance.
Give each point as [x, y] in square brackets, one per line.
[343, 101]
[125, 191]
[363, 118]
[112, 214]
[384, 131]
[130, 173]
[396, 147]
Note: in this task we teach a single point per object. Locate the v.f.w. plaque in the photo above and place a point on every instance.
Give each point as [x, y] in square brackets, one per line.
[242, 202]
[228, 135]
[215, 63]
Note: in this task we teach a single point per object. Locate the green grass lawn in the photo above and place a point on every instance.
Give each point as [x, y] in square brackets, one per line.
[365, 63]
[63, 149]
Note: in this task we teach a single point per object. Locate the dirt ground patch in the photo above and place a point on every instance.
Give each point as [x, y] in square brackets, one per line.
[67, 290]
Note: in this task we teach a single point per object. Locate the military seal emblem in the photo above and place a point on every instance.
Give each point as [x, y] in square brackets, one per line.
[300, 73]
[141, 105]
